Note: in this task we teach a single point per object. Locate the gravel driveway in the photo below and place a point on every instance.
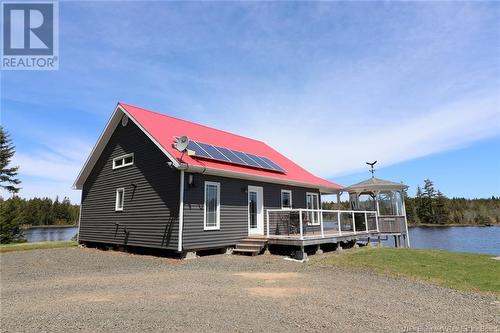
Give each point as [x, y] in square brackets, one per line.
[92, 290]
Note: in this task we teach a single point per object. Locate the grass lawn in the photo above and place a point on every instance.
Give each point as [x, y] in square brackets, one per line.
[469, 272]
[36, 246]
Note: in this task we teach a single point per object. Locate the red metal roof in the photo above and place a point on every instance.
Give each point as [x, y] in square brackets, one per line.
[164, 129]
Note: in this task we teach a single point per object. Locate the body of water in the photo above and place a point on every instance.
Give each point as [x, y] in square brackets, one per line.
[48, 234]
[484, 240]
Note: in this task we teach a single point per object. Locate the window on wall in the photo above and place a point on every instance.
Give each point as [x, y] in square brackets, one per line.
[120, 198]
[123, 161]
[212, 206]
[286, 199]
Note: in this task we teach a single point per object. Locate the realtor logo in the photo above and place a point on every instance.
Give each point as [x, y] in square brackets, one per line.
[30, 35]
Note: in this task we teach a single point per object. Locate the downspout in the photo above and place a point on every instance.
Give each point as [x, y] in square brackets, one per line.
[181, 211]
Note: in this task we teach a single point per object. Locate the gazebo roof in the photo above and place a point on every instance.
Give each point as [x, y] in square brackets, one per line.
[375, 184]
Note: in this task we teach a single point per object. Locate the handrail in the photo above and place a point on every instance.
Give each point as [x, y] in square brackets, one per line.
[321, 210]
[320, 213]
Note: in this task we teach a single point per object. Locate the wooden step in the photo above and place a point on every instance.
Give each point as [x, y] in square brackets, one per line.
[254, 240]
[245, 246]
[247, 251]
[244, 242]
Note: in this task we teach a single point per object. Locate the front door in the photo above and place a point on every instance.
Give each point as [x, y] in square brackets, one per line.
[255, 211]
[312, 202]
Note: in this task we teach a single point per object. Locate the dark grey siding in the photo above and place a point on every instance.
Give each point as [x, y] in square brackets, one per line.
[234, 210]
[150, 214]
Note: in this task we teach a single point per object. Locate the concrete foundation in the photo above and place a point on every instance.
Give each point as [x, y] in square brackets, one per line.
[189, 255]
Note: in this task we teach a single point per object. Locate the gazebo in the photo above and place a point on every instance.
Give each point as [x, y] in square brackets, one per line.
[387, 199]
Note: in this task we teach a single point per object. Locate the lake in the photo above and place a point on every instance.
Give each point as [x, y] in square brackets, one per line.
[457, 239]
[484, 240]
[50, 233]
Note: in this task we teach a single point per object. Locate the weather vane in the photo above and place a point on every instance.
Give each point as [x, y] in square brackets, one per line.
[372, 170]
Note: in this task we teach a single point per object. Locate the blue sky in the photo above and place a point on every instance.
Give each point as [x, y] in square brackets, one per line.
[329, 84]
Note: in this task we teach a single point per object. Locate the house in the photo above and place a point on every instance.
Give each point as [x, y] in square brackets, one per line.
[140, 189]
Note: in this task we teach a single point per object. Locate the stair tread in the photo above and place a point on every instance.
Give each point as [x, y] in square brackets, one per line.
[254, 239]
[250, 244]
[245, 250]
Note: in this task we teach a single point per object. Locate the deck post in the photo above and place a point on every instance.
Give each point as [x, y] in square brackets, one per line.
[376, 221]
[407, 238]
[300, 223]
[353, 222]
[338, 220]
[366, 223]
[267, 217]
[321, 223]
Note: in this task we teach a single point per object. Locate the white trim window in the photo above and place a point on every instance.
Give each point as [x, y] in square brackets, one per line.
[286, 199]
[123, 161]
[312, 202]
[120, 199]
[211, 220]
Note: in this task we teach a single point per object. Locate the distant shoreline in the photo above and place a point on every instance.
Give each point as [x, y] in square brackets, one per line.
[50, 226]
[427, 225]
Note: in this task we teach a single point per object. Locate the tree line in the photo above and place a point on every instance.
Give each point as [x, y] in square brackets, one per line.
[17, 213]
[430, 206]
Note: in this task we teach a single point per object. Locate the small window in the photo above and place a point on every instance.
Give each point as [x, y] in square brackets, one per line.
[123, 161]
[286, 199]
[120, 198]
[212, 206]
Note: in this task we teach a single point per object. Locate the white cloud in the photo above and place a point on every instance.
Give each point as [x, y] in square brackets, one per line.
[333, 144]
[50, 171]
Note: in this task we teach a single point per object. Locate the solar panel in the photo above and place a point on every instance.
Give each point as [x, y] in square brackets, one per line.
[271, 163]
[260, 161]
[216, 155]
[197, 149]
[208, 151]
[246, 158]
[232, 156]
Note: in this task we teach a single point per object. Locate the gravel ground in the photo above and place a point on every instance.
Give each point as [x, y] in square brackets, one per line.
[92, 290]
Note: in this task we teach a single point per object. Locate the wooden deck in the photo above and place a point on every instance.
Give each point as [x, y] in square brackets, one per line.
[329, 236]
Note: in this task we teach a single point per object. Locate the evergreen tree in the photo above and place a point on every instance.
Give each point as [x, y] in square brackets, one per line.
[441, 211]
[10, 214]
[8, 180]
[427, 204]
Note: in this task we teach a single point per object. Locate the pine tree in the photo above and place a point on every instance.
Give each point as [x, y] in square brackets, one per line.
[10, 215]
[8, 180]
[427, 202]
[441, 210]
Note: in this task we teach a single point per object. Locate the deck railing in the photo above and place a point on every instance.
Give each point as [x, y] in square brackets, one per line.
[392, 224]
[306, 223]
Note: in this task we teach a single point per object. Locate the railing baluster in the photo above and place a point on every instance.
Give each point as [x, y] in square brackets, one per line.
[366, 223]
[321, 223]
[267, 216]
[338, 220]
[300, 223]
[353, 222]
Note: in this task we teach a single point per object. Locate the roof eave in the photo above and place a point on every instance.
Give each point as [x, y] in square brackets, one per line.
[268, 179]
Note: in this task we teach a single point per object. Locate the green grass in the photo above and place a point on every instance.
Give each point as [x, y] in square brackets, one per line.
[462, 271]
[36, 246]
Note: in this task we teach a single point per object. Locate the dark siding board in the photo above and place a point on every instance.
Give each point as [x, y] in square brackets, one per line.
[234, 210]
[151, 203]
